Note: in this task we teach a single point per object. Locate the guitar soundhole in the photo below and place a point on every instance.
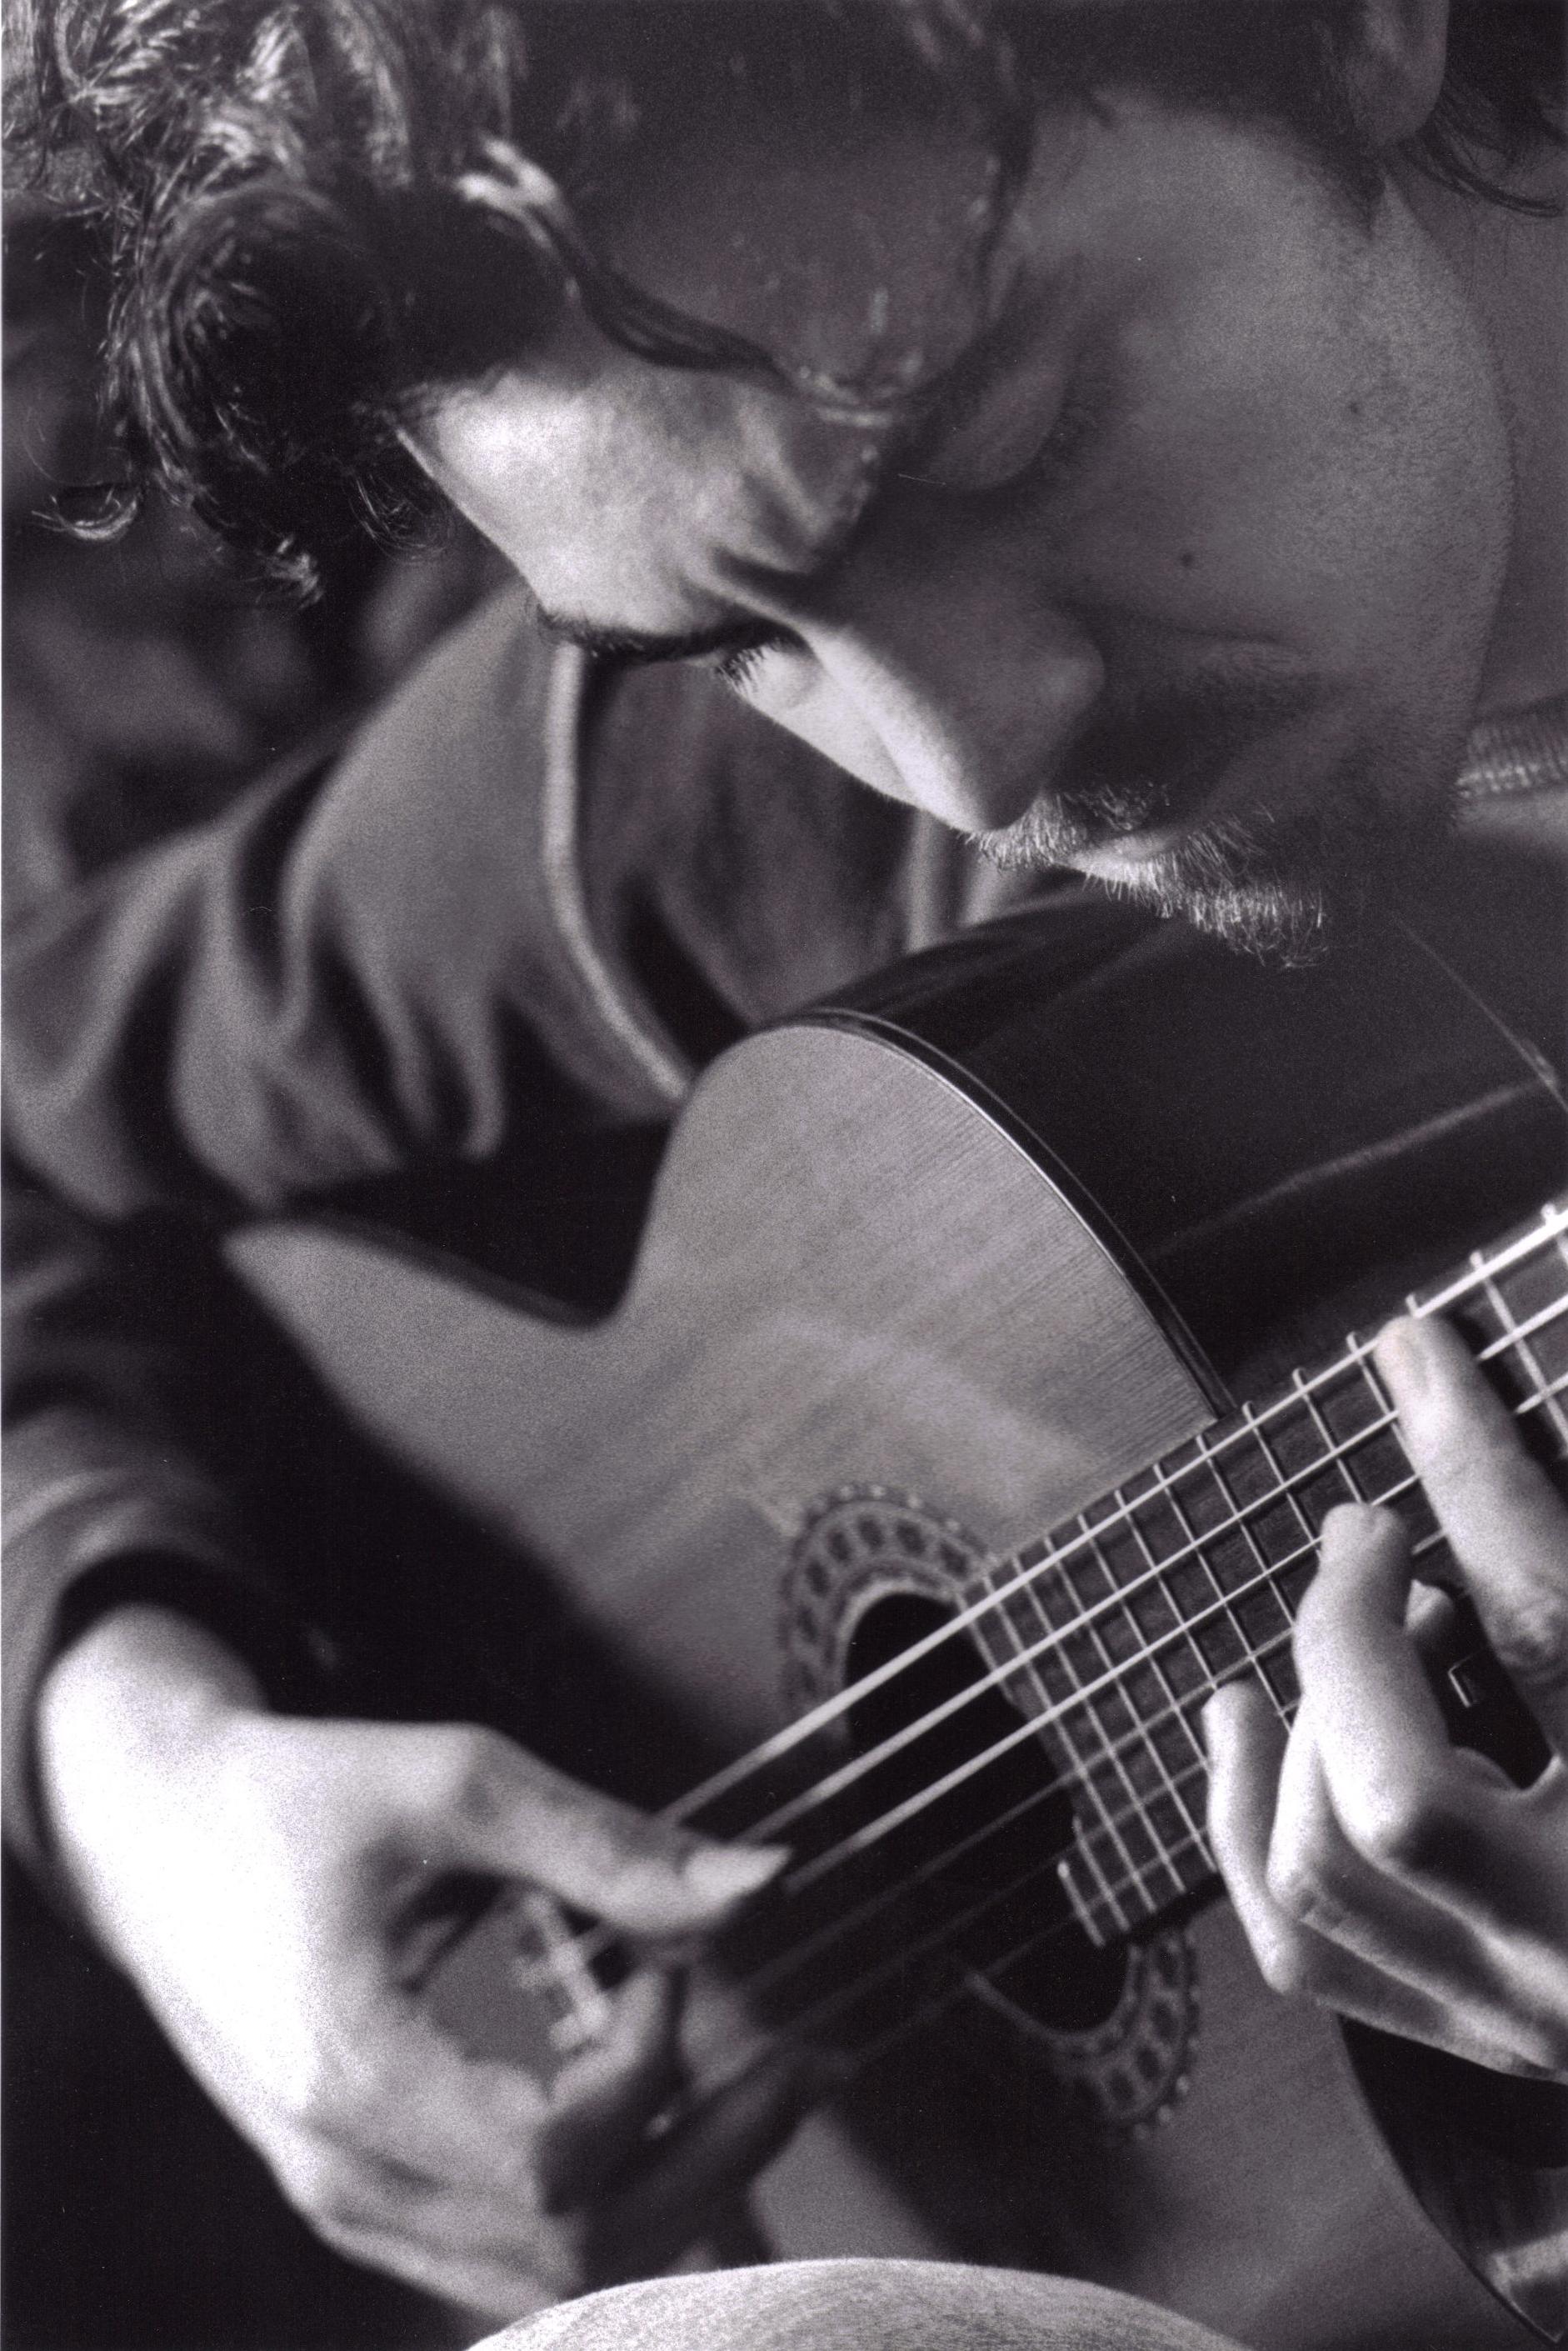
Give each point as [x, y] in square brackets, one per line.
[958, 1873]
[1003, 1825]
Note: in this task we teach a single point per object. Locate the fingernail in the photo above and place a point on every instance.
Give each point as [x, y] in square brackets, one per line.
[1217, 1717]
[1344, 1522]
[1401, 1352]
[728, 1873]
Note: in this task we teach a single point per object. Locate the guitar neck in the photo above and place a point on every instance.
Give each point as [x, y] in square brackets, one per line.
[1114, 1629]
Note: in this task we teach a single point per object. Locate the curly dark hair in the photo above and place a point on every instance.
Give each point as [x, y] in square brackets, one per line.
[317, 211]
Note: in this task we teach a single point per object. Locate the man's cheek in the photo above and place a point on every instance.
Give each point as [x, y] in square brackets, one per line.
[794, 692]
[1217, 501]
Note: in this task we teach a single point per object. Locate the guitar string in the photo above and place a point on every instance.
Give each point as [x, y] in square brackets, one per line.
[1050, 1718]
[1114, 1889]
[938, 2003]
[813, 2020]
[1056, 1637]
[836, 1783]
[824, 1791]
[846, 1996]
[815, 2016]
[1549, 1230]
[594, 1941]
[1300, 1390]
[1032, 1726]
[1058, 1713]
[1036, 1725]
[799, 1954]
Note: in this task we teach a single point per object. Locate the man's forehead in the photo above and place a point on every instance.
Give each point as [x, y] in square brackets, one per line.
[640, 497]
[851, 252]
[636, 494]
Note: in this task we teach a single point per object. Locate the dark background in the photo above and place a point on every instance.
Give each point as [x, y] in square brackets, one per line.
[143, 686]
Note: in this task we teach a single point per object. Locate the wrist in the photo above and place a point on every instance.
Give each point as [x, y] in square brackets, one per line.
[139, 1700]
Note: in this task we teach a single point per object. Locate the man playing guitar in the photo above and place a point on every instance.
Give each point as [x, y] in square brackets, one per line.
[1128, 436]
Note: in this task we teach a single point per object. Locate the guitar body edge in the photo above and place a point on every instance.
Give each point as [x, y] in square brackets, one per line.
[856, 1277]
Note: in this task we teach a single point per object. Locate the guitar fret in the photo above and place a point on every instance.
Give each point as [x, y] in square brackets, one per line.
[1101, 1774]
[1213, 1640]
[1190, 1751]
[1020, 1599]
[1088, 1578]
[1352, 1402]
[1270, 1660]
[1252, 1613]
[1089, 1902]
[1191, 1573]
[1519, 1340]
[1099, 1729]
[1033, 1694]
[1540, 1235]
[1548, 1325]
[1294, 1527]
[1101, 1896]
[1549, 1394]
[1171, 1781]
[1159, 1688]
[1155, 1786]
[1189, 1857]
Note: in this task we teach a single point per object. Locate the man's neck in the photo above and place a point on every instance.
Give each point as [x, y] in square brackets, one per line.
[1513, 270]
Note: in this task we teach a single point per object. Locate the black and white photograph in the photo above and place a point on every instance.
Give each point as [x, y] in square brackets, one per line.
[787, 1176]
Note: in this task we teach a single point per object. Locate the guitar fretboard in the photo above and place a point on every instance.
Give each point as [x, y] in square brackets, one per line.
[1115, 1629]
[1110, 1633]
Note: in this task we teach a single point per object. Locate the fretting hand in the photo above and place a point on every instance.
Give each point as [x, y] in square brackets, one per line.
[1375, 1867]
[278, 1890]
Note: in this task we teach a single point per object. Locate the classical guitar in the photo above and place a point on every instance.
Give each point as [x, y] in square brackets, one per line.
[912, 1462]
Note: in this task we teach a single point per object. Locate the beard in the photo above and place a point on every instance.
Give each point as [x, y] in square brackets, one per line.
[1274, 881]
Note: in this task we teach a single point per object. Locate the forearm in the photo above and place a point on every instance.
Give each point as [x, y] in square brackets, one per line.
[356, 970]
[114, 1491]
[278, 1890]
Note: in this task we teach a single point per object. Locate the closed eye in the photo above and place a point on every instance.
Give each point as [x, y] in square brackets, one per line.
[739, 666]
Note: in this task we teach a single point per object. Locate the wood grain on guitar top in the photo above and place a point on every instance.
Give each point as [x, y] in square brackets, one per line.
[856, 1272]
[775, 1324]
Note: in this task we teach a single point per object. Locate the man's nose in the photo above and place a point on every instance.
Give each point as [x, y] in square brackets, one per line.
[944, 643]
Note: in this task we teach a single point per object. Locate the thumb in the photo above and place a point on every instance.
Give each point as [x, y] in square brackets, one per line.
[505, 1811]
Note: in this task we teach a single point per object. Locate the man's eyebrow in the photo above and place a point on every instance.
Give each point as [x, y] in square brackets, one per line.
[938, 408]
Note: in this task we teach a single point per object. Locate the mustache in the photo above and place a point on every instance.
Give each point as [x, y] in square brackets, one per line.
[1274, 881]
[1143, 751]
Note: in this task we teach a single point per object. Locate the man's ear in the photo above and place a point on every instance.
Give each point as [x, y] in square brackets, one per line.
[1396, 67]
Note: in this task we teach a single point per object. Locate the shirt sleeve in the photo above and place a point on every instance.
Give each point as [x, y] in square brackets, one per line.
[358, 969]
[355, 974]
[106, 1499]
